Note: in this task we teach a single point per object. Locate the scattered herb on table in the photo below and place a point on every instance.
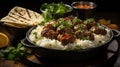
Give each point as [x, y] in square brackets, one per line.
[15, 53]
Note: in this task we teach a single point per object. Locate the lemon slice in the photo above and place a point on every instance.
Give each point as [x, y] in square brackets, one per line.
[3, 40]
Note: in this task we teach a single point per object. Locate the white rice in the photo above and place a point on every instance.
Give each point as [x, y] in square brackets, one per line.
[78, 44]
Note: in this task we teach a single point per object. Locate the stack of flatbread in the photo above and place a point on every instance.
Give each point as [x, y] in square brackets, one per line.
[20, 17]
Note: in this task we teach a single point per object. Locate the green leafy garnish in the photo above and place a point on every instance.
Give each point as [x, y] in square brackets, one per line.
[78, 47]
[35, 33]
[47, 16]
[76, 20]
[55, 8]
[15, 53]
[54, 11]
[64, 23]
[61, 27]
[88, 20]
[85, 38]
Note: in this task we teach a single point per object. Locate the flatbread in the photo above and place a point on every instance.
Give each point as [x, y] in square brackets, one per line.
[21, 16]
[16, 26]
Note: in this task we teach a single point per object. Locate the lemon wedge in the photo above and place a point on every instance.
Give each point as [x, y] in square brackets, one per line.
[3, 40]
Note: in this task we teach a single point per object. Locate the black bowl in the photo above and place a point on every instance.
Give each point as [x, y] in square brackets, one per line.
[71, 55]
[84, 9]
[84, 5]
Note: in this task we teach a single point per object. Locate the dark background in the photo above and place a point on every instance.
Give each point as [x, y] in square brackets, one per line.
[102, 5]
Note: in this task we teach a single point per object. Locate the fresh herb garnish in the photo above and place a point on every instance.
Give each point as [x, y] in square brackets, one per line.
[35, 33]
[85, 38]
[15, 53]
[47, 16]
[88, 20]
[64, 23]
[76, 20]
[78, 47]
[61, 27]
[54, 10]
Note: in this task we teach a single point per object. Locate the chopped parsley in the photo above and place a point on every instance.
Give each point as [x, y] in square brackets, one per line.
[35, 33]
[15, 53]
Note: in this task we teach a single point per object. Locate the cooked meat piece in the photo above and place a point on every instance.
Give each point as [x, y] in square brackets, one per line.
[67, 18]
[101, 31]
[68, 30]
[78, 33]
[91, 24]
[44, 31]
[98, 30]
[80, 26]
[65, 30]
[84, 34]
[59, 30]
[66, 38]
[52, 34]
[91, 37]
[49, 33]
[50, 26]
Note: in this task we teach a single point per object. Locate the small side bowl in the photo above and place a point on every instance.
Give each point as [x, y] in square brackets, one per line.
[59, 15]
[84, 9]
[83, 5]
[70, 8]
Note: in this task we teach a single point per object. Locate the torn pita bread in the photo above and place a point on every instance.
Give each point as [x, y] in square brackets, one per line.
[19, 16]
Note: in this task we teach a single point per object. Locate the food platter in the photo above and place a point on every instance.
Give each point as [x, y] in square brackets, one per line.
[33, 61]
[19, 32]
[104, 60]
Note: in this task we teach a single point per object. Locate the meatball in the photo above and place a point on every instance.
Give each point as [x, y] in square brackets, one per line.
[49, 33]
[50, 26]
[98, 30]
[66, 38]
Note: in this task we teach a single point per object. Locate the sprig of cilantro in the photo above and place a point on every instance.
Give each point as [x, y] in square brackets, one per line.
[15, 53]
